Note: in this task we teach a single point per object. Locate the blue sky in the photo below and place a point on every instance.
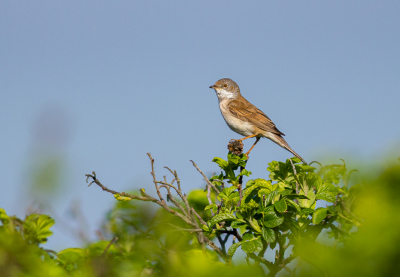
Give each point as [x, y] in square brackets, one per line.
[97, 84]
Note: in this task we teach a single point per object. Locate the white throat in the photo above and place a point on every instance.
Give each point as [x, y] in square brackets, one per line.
[223, 94]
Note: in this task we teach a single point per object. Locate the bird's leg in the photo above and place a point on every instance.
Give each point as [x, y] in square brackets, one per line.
[248, 152]
[251, 136]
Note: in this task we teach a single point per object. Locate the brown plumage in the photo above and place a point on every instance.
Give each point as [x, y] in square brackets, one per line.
[246, 119]
[244, 110]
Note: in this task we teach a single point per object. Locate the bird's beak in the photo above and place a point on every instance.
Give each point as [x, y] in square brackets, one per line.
[212, 86]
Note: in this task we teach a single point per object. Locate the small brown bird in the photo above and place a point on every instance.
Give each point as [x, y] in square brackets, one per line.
[244, 118]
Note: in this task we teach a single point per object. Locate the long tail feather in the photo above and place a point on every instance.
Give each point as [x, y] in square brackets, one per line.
[282, 142]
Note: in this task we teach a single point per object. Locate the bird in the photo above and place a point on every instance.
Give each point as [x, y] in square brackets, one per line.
[246, 119]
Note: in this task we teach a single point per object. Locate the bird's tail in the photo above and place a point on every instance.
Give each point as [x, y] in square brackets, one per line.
[282, 142]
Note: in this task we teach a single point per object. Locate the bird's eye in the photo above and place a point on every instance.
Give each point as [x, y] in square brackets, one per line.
[225, 85]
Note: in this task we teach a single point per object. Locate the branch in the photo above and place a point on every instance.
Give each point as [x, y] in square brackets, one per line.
[199, 217]
[178, 191]
[97, 182]
[109, 245]
[154, 176]
[222, 243]
[268, 264]
[216, 249]
[186, 230]
[171, 198]
[205, 178]
[145, 197]
[188, 216]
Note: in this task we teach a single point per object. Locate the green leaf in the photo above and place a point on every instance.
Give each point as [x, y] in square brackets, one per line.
[213, 207]
[233, 248]
[226, 193]
[296, 196]
[270, 197]
[272, 220]
[281, 206]
[307, 211]
[304, 203]
[319, 215]
[294, 205]
[252, 245]
[263, 192]
[250, 183]
[247, 236]
[37, 227]
[286, 192]
[328, 187]
[71, 257]
[97, 248]
[268, 235]
[326, 196]
[4, 217]
[263, 183]
[205, 228]
[245, 172]
[295, 160]
[122, 198]
[238, 223]
[254, 224]
[221, 217]
[233, 158]
[221, 162]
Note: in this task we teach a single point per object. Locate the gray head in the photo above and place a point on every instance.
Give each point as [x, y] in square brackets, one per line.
[226, 89]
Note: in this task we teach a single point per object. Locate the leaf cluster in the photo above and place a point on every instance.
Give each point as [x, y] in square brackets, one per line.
[296, 203]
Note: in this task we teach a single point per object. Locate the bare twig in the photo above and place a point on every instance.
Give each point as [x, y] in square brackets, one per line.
[109, 245]
[205, 178]
[154, 176]
[145, 197]
[216, 249]
[171, 198]
[199, 217]
[97, 182]
[189, 215]
[186, 230]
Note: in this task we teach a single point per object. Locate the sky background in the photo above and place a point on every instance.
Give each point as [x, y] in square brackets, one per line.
[95, 85]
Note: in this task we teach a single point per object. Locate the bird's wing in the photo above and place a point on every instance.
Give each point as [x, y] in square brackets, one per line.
[246, 111]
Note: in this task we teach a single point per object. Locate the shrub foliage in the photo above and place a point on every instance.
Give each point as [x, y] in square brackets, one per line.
[303, 220]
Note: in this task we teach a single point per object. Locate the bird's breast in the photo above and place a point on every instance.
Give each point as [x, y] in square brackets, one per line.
[235, 124]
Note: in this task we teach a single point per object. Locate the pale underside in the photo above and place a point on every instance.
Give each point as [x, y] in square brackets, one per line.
[244, 128]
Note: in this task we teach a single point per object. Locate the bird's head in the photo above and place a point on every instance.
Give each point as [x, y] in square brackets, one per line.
[226, 89]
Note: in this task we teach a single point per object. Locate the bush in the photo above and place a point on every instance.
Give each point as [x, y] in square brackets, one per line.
[304, 220]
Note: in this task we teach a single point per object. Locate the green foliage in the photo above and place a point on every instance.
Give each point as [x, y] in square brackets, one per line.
[229, 167]
[35, 228]
[282, 210]
[313, 219]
